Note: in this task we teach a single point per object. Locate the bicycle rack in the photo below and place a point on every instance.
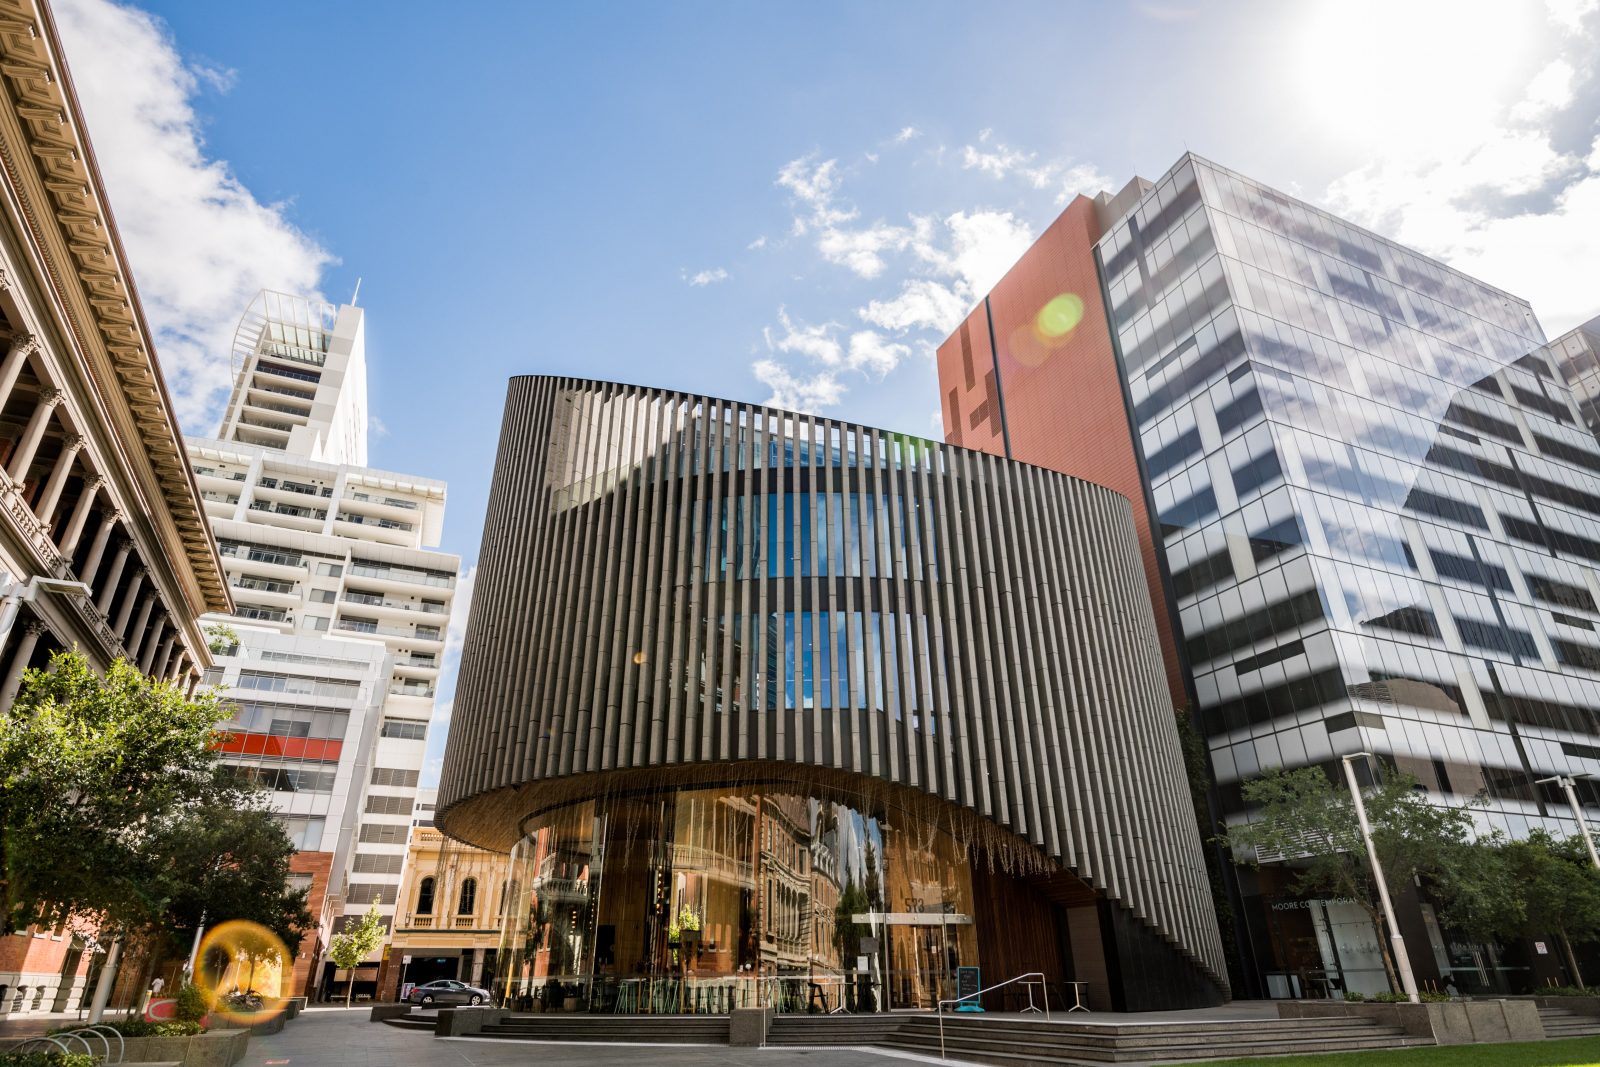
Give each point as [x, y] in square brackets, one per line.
[59, 1042]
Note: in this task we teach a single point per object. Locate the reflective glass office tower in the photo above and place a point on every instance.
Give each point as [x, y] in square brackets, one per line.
[1577, 357]
[1378, 517]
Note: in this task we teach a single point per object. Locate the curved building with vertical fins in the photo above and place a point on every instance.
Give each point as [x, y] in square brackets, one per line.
[769, 708]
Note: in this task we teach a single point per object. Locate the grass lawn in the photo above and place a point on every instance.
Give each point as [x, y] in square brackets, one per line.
[1571, 1052]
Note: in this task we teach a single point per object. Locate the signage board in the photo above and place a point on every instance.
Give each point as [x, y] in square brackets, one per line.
[969, 980]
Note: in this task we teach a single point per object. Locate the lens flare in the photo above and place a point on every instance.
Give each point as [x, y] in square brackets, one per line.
[1059, 317]
[242, 969]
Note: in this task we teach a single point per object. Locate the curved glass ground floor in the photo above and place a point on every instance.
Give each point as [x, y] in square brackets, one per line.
[705, 900]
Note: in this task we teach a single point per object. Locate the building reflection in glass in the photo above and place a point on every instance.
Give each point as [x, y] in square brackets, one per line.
[705, 900]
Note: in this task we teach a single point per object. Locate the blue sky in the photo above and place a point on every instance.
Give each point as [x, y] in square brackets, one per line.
[775, 202]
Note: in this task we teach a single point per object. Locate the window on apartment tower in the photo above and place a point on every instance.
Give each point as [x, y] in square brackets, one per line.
[469, 897]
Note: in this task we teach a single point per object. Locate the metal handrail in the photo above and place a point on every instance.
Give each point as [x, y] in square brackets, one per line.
[939, 1010]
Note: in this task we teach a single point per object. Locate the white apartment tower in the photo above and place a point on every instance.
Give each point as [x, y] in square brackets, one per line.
[343, 602]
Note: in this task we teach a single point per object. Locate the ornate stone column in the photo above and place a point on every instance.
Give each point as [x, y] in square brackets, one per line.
[25, 647]
[108, 588]
[34, 433]
[152, 643]
[175, 672]
[163, 660]
[80, 516]
[70, 447]
[125, 612]
[97, 550]
[134, 642]
[22, 345]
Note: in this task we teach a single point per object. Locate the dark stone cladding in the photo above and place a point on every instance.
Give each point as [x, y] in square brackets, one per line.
[1041, 728]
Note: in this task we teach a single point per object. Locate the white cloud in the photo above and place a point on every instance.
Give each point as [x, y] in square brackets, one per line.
[1084, 178]
[199, 242]
[813, 185]
[1001, 162]
[758, 243]
[944, 264]
[872, 352]
[1549, 90]
[1569, 14]
[907, 133]
[810, 394]
[932, 269]
[816, 342]
[922, 304]
[377, 427]
[997, 164]
[862, 250]
[983, 246]
[1510, 207]
[706, 277]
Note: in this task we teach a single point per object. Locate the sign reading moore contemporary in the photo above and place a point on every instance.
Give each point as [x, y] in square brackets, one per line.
[776, 709]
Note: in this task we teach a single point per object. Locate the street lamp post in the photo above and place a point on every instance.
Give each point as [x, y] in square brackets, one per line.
[1402, 960]
[1566, 783]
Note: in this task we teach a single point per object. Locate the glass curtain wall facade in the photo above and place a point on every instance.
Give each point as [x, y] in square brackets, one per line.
[710, 899]
[1381, 518]
[1576, 355]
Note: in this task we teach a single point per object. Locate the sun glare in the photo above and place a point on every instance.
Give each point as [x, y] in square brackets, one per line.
[1400, 76]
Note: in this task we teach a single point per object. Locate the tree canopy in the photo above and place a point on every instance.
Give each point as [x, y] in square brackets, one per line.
[115, 810]
[1559, 888]
[354, 944]
[89, 767]
[1308, 820]
[228, 858]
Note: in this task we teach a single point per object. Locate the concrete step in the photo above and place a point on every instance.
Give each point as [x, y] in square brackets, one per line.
[410, 1022]
[1029, 1054]
[1000, 1044]
[1559, 1022]
[1134, 1030]
[1110, 1038]
[793, 1030]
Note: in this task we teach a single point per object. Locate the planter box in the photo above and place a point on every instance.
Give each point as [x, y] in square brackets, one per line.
[381, 1012]
[456, 1022]
[1454, 1022]
[269, 1025]
[217, 1048]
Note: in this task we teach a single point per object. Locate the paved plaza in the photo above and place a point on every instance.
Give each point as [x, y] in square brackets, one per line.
[335, 1037]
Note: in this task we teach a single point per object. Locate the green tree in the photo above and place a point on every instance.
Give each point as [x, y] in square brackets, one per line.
[349, 948]
[228, 858]
[1561, 890]
[90, 767]
[1311, 823]
[1477, 893]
